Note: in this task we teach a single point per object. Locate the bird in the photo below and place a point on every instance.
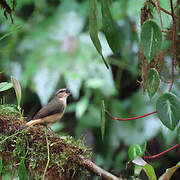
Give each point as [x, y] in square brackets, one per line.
[51, 112]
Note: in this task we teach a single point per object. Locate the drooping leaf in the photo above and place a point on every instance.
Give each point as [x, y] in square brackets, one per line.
[137, 170]
[110, 27]
[103, 120]
[144, 147]
[167, 106]
[17, 89]
[5, 86]
[151, 39]
[152, 82]
[82, 106]
[93, 28]
[134, 151]
[178, 132]
[149, 170]
[139, 161]
[1, 165]
[169, 172]
[22, 171]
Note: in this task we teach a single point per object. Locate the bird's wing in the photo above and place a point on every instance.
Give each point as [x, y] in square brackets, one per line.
[53, 107]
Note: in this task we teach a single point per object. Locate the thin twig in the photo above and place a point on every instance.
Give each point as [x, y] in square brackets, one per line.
[167, 12]
[48, 153]
[129, 119]
[96, 169]
[162, 153]
[10, 136]
[159, 12]
[173, 45]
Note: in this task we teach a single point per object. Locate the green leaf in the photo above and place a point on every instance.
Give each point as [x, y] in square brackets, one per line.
[103, 120]
[82, 106]
[152, 82]
[134, 151]
[144, 147]
[93, 28]
[110, 27]
[139, 161]
[1, 165]
[169, 172]
[167, 106]
[178, 132]
[149, 170]
[22, 171]
[137, 170]
[151, 39]
[5, 86]
[17, 89]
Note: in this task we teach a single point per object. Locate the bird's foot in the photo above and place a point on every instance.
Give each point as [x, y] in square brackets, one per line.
[51, 132]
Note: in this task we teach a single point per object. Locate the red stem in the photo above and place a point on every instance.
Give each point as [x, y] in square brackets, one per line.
[167, 12]
[173, 45]
[129, 119]
[162, 153]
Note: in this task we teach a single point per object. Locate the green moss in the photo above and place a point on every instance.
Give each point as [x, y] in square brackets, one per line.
[31, 144]
[8, 109]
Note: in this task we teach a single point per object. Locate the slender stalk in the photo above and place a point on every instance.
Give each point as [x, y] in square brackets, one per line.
[129, 119]
[10, 136]
[48, 153]
[173, 46]
[167, 12]
[162, 153]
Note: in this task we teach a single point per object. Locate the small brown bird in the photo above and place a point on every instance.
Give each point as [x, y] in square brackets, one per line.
[51, 112]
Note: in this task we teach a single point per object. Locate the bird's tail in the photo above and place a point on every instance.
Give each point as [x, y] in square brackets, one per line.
[30, 123]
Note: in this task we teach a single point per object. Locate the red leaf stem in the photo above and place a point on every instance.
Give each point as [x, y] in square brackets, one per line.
[167, 12]
[162, 153]
[173, 45]
[129, 119]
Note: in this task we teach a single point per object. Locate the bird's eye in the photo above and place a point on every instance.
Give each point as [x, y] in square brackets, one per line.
[60, 91]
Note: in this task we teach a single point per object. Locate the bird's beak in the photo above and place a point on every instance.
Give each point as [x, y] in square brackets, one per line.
[68, 93]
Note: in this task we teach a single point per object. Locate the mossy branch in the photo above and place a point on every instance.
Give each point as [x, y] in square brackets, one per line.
[96, 169]
[70, 159]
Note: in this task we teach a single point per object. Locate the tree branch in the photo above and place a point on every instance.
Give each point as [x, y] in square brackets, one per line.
[96, 169]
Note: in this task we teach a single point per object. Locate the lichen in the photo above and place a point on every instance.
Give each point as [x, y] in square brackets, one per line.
[31, 144]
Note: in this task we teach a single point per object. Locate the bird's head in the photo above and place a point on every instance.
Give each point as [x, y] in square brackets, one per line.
[62, 93]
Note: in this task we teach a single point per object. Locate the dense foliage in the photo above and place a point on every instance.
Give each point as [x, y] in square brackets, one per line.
[49, 46]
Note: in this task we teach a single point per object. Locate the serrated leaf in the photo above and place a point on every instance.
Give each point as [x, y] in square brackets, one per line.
[1, 165]
[5, 86]
[22, 171]
[167, 106]
[152, 82]
[93, 28]
[17, 89]
[151, 39]
[103, 120]
[169, 172]
[110, 27]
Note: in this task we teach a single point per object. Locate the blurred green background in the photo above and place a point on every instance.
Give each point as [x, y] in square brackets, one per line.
[48, 47]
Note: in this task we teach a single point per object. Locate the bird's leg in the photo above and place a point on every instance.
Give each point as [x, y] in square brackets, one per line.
[51, 132]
